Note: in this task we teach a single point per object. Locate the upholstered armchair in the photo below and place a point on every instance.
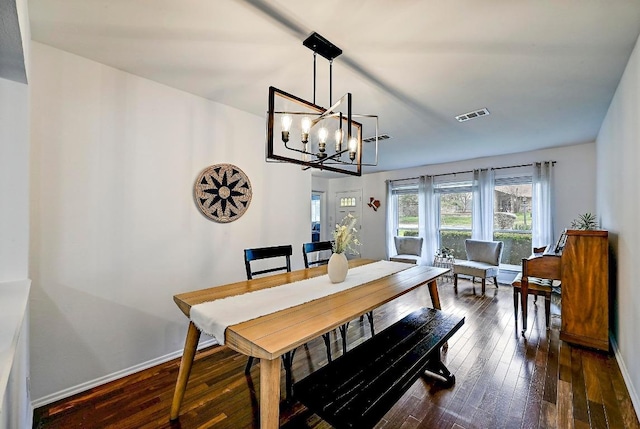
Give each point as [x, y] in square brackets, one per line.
[483, 260]
[408, 249]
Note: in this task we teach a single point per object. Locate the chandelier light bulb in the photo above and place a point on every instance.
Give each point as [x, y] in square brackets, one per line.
[353, 145]
[286, 126]
[338, 137]
[305, 124]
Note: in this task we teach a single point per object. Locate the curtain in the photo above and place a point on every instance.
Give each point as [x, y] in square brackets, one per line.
[392, 215]
[482, 205]
[542, 204]
[428, 218]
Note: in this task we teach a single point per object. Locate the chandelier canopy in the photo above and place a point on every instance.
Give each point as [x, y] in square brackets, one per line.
[301, 132]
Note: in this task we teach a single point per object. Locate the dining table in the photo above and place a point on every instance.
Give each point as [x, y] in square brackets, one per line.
[270, 336]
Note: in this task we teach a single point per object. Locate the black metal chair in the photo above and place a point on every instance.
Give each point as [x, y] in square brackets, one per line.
[271, 253]
[320, 246]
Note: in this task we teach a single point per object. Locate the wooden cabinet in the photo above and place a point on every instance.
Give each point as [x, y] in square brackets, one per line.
[585, 289]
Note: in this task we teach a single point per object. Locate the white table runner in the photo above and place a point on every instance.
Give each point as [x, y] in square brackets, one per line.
[213, 317]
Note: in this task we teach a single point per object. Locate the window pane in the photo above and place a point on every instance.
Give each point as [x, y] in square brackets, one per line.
[512, 221]
[455, 221]
[408, 214]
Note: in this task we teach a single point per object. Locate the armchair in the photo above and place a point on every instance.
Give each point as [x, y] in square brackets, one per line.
[483, 260]
[408, 249]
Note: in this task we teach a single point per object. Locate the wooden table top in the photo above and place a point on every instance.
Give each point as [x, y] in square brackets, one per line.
[274, 334]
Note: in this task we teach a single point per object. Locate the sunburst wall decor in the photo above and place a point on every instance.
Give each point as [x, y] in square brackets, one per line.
[222, 192]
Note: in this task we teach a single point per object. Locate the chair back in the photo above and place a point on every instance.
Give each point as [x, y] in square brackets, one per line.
[408, 245]
[267, 253]
[314, 247]
[489, 252]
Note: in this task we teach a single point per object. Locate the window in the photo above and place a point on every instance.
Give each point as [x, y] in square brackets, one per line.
[512, 217]
[454, 215]
[405, 200]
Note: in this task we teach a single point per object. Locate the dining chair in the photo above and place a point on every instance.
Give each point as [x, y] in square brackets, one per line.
[274, 252]
[315, 248]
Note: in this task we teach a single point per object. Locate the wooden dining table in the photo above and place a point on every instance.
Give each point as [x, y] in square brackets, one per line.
[270, 336]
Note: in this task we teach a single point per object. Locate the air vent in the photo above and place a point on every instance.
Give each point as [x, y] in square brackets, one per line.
[473, 115]
[372, 139]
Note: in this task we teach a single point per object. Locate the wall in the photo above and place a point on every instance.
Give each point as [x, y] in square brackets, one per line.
[115, 231]
[618, 202]
[15, 405]
[574, 185]
[14, 180]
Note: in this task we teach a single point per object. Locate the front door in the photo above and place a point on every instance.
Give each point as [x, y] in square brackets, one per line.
[349, 202]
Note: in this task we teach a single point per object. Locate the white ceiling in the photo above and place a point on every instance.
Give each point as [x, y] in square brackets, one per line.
[545, 69]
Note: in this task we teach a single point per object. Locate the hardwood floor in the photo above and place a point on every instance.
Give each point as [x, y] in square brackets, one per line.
[502, 380]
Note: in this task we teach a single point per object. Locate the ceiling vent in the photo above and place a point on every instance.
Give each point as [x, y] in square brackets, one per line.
[372, 139]
[473, 115]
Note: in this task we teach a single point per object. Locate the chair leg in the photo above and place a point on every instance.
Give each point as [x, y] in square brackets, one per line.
[247, 369]
[370, 317]
[287, 361]
[495, 281]
[455, 282]
[327, 343]
[547, 309]
[515, 305]
[343, 334]
[484, 284]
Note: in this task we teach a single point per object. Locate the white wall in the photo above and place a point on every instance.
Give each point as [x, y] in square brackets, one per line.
[115, 230]
[618, 202]
[14, 180]
[574, 185]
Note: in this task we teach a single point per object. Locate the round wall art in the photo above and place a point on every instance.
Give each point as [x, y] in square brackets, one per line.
[222, 192]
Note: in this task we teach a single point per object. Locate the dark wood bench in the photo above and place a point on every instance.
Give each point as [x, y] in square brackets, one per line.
[359, 387]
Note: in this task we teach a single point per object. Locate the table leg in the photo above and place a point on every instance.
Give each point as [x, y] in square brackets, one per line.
[524, 292]
[269, 393]
[435, 297]
[190, 345]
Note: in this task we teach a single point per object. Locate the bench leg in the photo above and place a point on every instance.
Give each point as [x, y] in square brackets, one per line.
[190, 345]
[437, 368]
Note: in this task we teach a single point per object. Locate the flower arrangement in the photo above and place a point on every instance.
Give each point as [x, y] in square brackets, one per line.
[344, 236]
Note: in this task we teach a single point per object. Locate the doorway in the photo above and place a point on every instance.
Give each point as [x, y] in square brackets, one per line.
[316, 216]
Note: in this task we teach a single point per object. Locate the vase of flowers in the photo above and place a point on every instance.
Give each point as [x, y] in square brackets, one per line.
[344, 240]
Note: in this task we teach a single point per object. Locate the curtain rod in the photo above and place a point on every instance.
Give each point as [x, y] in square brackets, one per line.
[470, 171]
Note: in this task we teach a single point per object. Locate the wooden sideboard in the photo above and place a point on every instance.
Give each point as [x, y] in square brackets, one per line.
[585, 289]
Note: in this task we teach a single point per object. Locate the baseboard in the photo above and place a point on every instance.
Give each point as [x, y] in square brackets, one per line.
[635, 399]
[63, 394]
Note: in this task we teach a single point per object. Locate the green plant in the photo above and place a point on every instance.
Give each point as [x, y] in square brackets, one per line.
[585, 221]
[444, 252]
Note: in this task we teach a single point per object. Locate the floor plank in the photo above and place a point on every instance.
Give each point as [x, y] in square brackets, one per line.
[502, 379]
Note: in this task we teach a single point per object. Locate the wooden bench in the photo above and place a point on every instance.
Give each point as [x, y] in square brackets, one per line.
[359, 387]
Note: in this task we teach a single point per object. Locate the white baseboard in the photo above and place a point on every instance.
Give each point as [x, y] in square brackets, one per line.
[635, 399]
[45, 400]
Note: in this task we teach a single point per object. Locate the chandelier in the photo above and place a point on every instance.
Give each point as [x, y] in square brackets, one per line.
[304, 133]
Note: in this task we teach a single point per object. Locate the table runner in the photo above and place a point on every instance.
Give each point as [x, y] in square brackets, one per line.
[213, 317]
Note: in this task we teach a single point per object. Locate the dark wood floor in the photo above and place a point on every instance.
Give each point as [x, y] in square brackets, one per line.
[503, 381]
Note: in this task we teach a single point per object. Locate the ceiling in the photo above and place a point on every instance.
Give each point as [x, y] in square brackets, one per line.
[546, 70]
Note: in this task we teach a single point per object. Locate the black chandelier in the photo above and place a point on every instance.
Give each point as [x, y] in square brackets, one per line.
[312, 136]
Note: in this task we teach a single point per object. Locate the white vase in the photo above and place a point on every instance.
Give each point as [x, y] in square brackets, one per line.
[338, 267]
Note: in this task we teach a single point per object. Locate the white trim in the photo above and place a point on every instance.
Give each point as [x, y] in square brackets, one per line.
[635, 399]
[49, 399]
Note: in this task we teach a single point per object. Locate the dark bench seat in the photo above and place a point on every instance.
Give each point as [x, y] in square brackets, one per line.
[359, 387]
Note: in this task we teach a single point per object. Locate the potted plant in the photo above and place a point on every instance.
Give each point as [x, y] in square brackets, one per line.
[586, 221]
